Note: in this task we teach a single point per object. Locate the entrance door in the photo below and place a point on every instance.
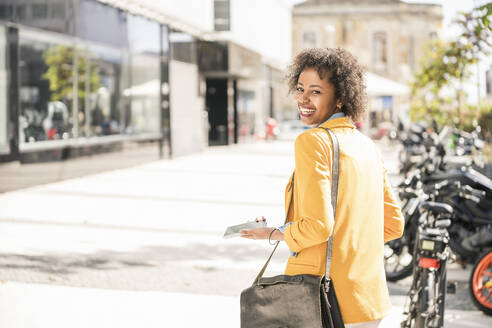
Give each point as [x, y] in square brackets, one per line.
[216, 102]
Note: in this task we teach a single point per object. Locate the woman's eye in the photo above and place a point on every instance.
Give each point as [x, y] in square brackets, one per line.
[316, 92]
[298, 89]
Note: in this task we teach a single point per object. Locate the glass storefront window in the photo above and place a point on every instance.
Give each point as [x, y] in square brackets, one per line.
[183, 47]
[4, 147]
[50, 15]
[97, 22]
[104, 81]
[144, 92]
[99, 99]
[46, 87]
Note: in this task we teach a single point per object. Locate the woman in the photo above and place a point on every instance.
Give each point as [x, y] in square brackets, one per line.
[329, 92]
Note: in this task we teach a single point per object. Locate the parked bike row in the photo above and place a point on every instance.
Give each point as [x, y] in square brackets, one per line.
[447, 205]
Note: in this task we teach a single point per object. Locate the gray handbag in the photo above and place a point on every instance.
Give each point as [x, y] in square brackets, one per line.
[300, 301]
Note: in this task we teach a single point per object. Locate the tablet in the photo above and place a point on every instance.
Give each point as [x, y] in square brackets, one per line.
[233, 231]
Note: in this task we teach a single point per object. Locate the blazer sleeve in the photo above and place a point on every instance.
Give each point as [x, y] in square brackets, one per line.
[394, 221]
[312, 188]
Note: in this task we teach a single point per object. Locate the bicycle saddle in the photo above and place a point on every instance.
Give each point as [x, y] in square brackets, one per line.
[439, 208]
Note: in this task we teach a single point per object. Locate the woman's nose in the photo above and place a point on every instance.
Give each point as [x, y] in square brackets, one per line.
[305, 98]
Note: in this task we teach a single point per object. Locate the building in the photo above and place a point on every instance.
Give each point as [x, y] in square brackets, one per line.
[387, 36]
[82, 76]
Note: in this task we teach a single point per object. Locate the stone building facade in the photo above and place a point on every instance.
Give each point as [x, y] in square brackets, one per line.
[387, 36]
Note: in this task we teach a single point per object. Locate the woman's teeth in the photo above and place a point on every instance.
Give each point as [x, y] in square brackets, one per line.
[307, 110]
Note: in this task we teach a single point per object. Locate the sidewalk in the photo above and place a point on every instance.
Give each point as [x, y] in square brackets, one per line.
[15, 176]
[143, 246]
[41, 306]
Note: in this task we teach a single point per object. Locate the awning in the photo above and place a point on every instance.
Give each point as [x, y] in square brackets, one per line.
[149, 88]
[381, 86]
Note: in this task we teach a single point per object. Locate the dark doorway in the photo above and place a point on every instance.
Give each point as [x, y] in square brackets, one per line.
[216, 102]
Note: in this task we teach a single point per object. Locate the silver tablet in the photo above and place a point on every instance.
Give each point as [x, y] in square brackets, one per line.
[233, 231]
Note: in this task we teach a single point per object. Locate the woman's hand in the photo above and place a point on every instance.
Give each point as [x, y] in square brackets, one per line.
[262, 233]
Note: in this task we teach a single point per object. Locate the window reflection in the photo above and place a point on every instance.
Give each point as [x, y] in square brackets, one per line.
[101, 23]
[183, 47]
[52, 15]
[144, 92]
[246, 114]
[105, 82]
[99, 97]
[46, 77]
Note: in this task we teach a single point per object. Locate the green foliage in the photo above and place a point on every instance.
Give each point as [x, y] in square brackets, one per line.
[477, 30]
[59, 60]
[421, 111]
[437, 90]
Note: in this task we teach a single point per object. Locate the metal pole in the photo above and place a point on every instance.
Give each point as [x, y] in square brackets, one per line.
[75, 102]
[87, 94]
[161, 98]
[75, 93]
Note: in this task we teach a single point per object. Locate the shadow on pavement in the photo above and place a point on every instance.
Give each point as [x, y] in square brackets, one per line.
[63, 264]
[148, 256]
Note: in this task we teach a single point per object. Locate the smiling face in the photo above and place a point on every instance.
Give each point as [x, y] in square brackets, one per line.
[315, 98]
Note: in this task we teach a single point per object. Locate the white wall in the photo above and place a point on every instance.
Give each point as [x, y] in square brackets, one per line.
[263, 26]
[3, 92]
[187, 120]
[197, 13]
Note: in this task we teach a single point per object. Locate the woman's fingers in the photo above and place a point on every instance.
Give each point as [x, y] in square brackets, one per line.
[245, 233]
[258, 233]
[248, 233]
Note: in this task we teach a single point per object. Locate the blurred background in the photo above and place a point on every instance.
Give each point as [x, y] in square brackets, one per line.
[132, 132]
[84, 76]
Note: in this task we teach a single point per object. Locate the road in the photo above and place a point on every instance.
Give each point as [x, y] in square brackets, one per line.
[143, 246]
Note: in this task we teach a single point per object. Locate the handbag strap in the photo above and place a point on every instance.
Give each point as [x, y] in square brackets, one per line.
[334, 195]
[262, 271]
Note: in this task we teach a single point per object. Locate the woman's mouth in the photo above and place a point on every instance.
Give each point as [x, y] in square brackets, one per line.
[306, 112]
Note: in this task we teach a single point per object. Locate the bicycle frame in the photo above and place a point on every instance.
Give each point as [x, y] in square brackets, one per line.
[428, 290]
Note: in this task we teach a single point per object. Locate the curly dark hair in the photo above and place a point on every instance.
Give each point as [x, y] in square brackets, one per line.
[343, 71]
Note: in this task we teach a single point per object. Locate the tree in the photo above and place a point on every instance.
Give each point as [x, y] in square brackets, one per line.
[59, 60]
[437, 90]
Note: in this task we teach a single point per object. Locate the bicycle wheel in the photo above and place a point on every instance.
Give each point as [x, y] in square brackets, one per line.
[480, 284]
[398, 256]
[412, 305]
[436, 282]
[423, 300]
[442, 289]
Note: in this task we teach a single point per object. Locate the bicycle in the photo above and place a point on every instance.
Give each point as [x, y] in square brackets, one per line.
[431, 253]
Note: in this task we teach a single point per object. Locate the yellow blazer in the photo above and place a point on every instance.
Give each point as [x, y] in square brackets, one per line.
[367, 216]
